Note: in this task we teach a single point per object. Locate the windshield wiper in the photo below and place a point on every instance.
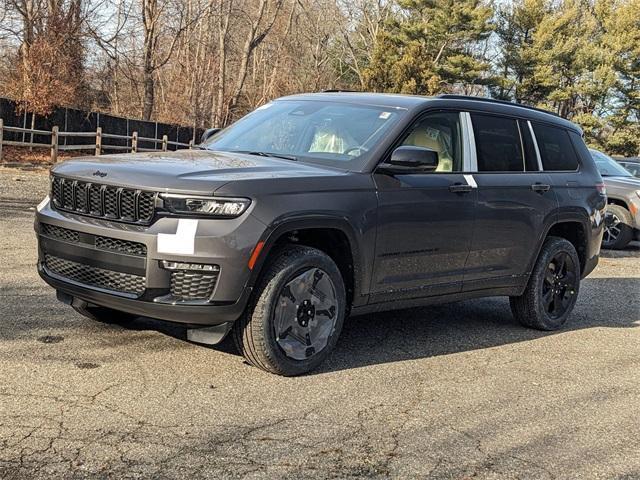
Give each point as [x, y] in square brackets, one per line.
[267, 154]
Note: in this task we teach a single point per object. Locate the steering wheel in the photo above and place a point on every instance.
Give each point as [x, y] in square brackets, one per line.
[353, 149]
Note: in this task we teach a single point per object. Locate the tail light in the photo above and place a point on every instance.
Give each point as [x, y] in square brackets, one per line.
[602, 189]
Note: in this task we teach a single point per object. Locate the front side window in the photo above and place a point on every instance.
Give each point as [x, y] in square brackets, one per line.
[632, 168]
[556, 149]
[498, 144]
[332, 133]
[442, 133]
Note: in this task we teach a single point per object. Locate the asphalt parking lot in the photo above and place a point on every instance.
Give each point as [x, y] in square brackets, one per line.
[450, 391]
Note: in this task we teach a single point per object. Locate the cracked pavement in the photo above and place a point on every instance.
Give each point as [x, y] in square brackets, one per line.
[449, 391]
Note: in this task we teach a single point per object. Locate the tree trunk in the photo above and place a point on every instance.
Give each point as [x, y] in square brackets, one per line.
[223, 28]
[253, 40]
[149, 18]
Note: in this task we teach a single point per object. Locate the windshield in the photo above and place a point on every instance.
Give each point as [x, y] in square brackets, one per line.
[607, 166]
[332, 133]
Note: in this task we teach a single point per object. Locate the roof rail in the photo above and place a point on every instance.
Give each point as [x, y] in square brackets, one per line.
[339, 90]
[492, 100]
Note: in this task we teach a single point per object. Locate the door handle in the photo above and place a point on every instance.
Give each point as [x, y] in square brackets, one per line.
[540, 188]
[460, 188]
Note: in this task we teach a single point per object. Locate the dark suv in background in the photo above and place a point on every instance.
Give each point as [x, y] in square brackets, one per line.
[319, 206]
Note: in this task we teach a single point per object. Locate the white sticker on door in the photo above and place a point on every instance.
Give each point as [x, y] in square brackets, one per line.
[471, 181]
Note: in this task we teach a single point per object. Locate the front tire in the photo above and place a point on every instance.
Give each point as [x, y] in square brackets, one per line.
[618, 231]
[553, 287]
[296, 313]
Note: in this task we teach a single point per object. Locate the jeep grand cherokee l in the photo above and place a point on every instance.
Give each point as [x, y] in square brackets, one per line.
[319, 206]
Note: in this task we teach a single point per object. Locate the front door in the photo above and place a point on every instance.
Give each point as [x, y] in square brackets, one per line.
[425, 219]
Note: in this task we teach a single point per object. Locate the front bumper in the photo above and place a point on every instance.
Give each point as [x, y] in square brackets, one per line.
[211, 314]
[634, 208]
[225, 243]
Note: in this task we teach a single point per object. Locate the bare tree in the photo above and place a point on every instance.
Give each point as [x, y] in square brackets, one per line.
[365, 20]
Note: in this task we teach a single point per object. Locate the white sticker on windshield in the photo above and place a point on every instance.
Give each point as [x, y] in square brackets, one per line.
[384, 115]
[183, 241]
[433, 133]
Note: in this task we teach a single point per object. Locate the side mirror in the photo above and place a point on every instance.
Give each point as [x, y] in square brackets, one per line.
[208, 133]
[409, 159]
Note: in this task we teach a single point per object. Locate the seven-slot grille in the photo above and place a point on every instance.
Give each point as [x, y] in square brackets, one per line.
[105, 201]
[94, 276]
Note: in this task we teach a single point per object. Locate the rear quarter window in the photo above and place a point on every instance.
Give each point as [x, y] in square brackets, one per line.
[580, 147]
[555, 147]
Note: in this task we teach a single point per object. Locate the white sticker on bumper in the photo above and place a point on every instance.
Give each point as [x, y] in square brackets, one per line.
[43, 203]
[182, 242]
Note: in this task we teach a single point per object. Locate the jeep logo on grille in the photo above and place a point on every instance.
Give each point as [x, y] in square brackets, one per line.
[100, 174]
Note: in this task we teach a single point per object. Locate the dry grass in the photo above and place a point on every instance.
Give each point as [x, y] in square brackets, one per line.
[38, 156]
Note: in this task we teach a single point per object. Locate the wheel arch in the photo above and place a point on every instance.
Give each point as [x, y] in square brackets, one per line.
[573, 225]
[617, 201]
[575, 232]
[335, 236]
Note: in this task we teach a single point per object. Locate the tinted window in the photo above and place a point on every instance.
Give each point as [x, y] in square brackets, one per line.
[530, 156]
[581, 149]
[555, 148]
[498, 145]
[440, 132]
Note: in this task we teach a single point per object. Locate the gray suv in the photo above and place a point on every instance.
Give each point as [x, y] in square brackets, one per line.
[622, 223]
[319, 206]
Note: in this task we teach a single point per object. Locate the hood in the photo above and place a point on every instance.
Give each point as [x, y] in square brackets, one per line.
[631, 183]
[183, 171]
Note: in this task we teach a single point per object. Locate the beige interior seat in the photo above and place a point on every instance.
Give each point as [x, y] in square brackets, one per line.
[427, 137]
[329, 139]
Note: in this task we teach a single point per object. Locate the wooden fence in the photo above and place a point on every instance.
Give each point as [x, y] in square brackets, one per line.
[98, 146]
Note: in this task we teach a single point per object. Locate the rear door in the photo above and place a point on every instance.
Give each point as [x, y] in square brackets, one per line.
[516, 201]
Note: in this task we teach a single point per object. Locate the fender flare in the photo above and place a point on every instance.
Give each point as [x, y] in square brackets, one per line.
[563, 217]
[283, 226]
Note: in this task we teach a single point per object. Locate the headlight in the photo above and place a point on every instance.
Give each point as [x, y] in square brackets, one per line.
[209, 206]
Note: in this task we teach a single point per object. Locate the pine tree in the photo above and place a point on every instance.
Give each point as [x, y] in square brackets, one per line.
[517, 23]
[431, 47]
[622, 40]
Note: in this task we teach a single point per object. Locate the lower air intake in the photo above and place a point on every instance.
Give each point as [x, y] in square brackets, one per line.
[94, 276]
[186, 285]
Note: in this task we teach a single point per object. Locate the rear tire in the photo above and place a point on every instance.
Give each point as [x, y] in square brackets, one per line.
[295, 315]
[619, 233]
[553, 287]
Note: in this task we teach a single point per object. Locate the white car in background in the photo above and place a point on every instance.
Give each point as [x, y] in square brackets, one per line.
[622, 223]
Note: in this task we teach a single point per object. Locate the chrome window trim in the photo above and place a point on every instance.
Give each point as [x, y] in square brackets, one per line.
[535, 144]
[524, 155]
[472, 165]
